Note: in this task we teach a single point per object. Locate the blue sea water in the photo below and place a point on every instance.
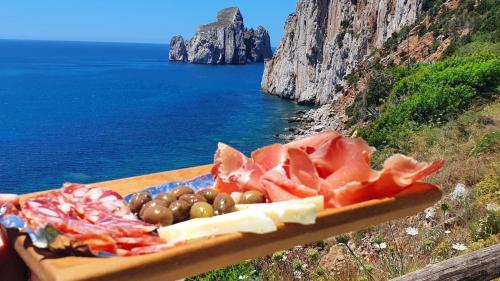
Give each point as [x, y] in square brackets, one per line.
[87, 112]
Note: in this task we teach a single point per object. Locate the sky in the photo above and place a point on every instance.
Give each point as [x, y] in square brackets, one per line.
[147, 21]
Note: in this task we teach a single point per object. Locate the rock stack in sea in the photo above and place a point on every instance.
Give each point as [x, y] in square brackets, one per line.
[225, 41]
[325, 40]
[177, 51]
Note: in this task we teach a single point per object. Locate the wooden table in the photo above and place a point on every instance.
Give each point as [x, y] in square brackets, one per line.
[217, 252]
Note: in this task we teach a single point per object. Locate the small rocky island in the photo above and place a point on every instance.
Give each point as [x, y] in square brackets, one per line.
[225, 41]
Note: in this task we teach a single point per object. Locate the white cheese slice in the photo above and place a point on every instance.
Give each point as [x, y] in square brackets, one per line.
[288, 213]
[244, 221]
[316, 200]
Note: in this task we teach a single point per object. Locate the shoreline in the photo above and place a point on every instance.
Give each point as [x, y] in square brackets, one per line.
[307, 122]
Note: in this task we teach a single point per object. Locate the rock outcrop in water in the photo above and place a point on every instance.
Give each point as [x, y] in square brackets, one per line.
[257, 44]
[177, 50]
[325, 40]
[225, 41]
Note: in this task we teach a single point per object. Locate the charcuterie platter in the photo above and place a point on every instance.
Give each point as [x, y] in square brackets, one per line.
[339, 211]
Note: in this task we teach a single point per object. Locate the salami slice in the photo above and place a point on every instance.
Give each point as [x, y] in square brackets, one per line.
[97, 203]
[105, 207]
[97, 217]
[48, 208]
[129, 243]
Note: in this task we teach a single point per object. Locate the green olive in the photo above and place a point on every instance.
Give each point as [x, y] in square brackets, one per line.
[180, 210]
[223, 204]
[137, 200]
[252, 197]
[209, 194]
[192, 198]
[180, 190]
[167, 197]
[158, 215]
[201, 210]
[151, 204]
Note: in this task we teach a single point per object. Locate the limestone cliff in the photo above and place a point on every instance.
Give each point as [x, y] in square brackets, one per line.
[257, 44]
[325, 40]
[177, 50]
[225, 41]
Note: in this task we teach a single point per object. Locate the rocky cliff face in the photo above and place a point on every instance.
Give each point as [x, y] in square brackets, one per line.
[225, 41]
[324, 41]
[257, 44]
[219, 42]
[177, 50]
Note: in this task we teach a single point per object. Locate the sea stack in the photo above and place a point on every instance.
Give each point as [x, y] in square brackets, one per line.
[177, 50]
[225, 41]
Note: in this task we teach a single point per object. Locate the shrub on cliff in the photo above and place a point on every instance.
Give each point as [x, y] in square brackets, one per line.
[434, 94]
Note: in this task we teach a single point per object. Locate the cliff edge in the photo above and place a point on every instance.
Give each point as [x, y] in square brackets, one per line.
[325, 40]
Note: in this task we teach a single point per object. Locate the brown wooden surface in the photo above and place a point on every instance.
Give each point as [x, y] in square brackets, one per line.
[209, 254]
[483, 264]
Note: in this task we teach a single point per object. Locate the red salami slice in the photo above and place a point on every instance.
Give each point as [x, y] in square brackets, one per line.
[49, 208]
[98, 217]
[127, 226]
[105, 207]
[129, 243]
[98, 242]
[97, 203]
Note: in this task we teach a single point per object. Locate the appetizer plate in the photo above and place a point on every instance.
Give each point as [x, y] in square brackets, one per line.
[216, 252]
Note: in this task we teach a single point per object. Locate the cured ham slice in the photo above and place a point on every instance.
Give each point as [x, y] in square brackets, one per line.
[327, 164]
[97, 217]
[235, 171]
[312, 143]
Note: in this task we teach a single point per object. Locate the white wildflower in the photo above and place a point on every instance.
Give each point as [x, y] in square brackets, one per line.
[492, 207]
[459, 191]
[429, 213]
[447, 232]
[242, 277]
[297, 274]
[284, 258]
[381, 246]
[458, 246]
[412, 231]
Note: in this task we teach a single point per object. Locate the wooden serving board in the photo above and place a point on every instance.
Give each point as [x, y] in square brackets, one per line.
[217, 252]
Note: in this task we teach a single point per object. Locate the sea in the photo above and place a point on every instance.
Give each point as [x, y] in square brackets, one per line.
[88, 112]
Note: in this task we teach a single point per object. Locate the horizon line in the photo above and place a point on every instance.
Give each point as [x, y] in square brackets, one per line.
[89, 41]
[81, 41]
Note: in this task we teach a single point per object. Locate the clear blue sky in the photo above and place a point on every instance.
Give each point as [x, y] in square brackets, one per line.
[130, 21]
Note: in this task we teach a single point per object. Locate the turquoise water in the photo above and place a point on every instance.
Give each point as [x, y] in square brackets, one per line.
[86, 112]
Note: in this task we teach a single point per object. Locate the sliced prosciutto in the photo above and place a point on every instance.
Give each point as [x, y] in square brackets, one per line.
[97, 217]
[327, 164]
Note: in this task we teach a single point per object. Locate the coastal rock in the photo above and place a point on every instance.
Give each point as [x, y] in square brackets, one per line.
[225, 41]
[324, 40]
[220, 42]
[258, 44]
[177, 50]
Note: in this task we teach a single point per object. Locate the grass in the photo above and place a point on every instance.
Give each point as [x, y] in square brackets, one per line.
[242, 271]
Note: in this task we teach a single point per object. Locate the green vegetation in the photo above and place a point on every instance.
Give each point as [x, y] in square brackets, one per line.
[433, 94]
[489, 142]
[242, 271]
